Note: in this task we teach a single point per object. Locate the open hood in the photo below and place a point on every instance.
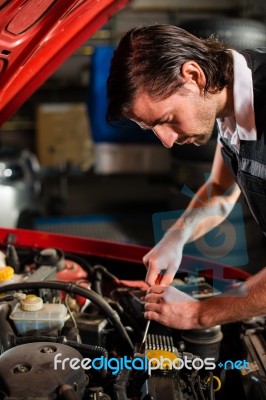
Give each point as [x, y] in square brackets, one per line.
[36, 36]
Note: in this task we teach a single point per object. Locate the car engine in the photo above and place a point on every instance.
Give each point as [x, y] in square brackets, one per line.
[72, 328]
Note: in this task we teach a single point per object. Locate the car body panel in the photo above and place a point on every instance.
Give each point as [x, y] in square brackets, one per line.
[109, 250]
[36, 36]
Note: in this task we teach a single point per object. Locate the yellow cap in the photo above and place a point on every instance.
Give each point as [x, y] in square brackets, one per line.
[6, 273]
[31, 298]
[165, 357]
[31, 303]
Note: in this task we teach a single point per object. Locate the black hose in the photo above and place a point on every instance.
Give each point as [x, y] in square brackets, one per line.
[97, 282]
[200, 389]
[12, 258]
[6, 332]
[195, 396]
[80, 260]
[211, 391]
[105, 272]
[17, 341]
[83, 348]
[73, 288]
[6, 298]
[91, 350]
[97, 277]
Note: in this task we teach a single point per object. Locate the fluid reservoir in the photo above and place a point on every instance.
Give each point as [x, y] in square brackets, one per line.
[32, 315]
[8, 276]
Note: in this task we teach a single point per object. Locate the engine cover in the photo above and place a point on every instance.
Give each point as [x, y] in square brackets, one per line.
[27, 372]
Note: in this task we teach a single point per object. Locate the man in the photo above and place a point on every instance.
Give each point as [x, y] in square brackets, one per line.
[178, 85]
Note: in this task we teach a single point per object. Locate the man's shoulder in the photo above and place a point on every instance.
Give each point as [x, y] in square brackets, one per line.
[255, 56]
[256, 61]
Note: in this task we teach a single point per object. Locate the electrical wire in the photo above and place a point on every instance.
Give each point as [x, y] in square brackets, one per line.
[202, 397]
[70, 312]
[195, 396]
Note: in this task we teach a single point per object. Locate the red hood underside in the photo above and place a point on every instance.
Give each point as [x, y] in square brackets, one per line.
[36, 36]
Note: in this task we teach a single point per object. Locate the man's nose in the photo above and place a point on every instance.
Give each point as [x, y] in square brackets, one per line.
[165, 137]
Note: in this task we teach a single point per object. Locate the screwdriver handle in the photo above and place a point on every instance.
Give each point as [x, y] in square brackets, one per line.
[159, 278]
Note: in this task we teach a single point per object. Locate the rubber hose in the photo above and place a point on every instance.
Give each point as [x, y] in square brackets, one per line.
[72, 288]
[85, 348]
[6, 333]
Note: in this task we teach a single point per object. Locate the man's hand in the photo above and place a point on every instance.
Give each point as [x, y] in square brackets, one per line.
[175, 309]
[165, 256]
[171, 307]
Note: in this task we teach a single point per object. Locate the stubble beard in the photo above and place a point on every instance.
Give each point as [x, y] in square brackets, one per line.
[202, 139]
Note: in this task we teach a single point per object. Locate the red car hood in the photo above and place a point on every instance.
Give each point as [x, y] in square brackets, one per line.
[37, 36]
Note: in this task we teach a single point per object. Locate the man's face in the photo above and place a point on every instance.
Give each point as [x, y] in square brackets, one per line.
[183, 118]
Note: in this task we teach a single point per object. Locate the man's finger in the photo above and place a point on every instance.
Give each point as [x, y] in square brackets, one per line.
[167, 279]
[151, 276]
[158, 289]
[153, 298]
[152, 311]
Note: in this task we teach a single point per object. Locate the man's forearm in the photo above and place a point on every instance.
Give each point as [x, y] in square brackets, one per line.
[246, 301]
[209, 208]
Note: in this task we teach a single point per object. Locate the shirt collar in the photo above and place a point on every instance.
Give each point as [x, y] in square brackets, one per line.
[242, 126]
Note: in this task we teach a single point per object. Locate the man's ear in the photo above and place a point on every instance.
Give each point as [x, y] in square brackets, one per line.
[192, 73]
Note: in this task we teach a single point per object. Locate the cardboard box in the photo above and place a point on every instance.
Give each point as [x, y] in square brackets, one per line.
[64, 135]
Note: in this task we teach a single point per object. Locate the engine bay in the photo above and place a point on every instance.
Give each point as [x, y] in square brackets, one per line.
[71, 327]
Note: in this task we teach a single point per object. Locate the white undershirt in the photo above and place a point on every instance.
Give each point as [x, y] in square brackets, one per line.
[242, 125]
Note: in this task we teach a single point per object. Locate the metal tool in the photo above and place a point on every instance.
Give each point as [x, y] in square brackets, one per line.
[157, 282]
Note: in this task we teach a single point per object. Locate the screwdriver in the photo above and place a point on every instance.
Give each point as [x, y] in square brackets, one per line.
[157, 282]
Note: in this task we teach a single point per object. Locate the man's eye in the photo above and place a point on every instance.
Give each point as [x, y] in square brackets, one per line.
[165, 121]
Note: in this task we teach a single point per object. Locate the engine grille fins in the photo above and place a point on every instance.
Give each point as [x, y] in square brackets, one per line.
[159, 342]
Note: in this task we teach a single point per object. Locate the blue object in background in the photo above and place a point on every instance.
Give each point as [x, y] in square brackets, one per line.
[120, 131]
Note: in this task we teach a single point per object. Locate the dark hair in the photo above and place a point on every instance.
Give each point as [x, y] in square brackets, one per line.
[151, 58]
